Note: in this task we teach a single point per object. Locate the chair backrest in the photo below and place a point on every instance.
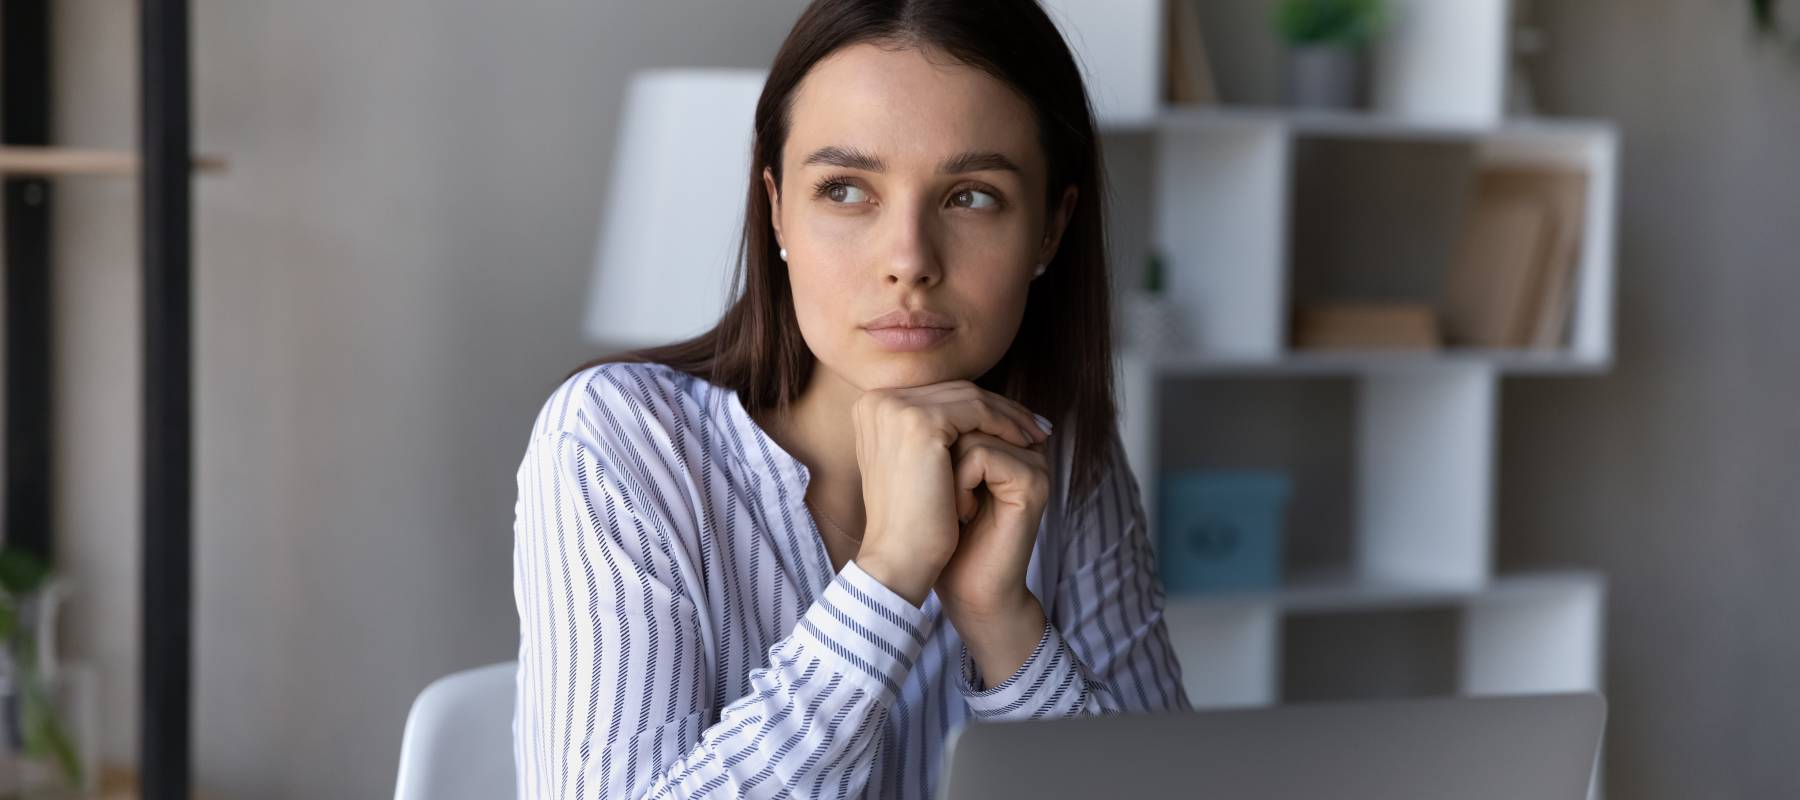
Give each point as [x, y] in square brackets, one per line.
[458, 740]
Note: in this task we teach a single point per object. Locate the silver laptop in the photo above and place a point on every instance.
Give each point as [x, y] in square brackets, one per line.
[1541, 747]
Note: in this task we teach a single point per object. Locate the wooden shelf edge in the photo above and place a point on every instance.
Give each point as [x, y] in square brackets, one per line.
[22, 160]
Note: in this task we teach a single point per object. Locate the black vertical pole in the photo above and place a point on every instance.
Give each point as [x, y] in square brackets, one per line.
[30, 377]
[168, 615]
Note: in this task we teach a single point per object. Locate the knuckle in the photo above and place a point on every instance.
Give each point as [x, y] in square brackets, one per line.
[899, 412]
[912, 418]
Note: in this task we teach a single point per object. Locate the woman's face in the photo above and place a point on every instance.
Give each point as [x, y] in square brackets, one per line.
[912, 210]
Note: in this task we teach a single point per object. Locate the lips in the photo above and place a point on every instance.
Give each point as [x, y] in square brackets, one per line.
[911, 319]
[909, 330]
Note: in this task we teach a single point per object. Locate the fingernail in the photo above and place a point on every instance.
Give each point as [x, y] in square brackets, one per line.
[1043, 424]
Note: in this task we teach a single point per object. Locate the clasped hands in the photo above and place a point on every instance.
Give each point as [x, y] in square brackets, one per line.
[955, 481]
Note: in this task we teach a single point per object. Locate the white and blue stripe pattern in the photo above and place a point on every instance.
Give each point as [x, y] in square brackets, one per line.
[683, 635]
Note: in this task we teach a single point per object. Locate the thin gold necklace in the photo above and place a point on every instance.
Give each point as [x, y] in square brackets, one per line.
[833, 525]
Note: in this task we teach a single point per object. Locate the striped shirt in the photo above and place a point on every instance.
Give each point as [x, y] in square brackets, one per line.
[683, 634]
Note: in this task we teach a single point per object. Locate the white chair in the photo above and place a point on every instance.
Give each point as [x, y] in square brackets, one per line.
[458, 740]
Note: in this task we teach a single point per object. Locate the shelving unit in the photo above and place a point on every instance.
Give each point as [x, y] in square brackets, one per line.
[1223, 191]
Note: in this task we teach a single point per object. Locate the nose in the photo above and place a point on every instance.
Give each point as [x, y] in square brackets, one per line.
[912, 259]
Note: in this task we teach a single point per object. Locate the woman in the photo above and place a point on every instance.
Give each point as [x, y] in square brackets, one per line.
[788, 557]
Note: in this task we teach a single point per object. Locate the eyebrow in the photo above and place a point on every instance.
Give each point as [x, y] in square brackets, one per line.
[967, 161]
[977, 161]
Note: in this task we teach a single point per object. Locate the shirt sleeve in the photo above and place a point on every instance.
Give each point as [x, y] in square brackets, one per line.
[1108, 649]
[614, 680]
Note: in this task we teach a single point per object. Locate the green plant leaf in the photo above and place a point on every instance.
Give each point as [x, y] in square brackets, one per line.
[1153, 274]
[1340, 22]
[1764, 13]
[9, 617]
[44, 734]
[21, 573]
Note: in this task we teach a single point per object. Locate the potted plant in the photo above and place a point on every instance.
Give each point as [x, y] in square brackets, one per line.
[40, 757]
[1327, 49]
[1152, 320]
[1773, 21]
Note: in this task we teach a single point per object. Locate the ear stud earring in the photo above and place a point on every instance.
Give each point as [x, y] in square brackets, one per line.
[1039, 271]
[783, 254]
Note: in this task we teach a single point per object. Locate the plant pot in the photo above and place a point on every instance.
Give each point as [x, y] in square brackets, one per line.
[74, 698]
[1323, 76]
[1152, 323]
[48, 726]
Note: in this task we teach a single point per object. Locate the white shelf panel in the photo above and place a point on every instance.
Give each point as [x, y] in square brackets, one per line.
[1353, 363]
[1424, 475]
[1228, 653]
[1359, 124]
[1346, 592]
[1221, 220]
[1118, 44]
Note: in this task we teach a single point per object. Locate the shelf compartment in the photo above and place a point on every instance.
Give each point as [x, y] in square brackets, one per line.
[1251, 218]
[1417, 478]
[1537, 631]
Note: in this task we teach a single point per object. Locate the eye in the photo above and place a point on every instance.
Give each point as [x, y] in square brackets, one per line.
[838, 191]
[973, 194]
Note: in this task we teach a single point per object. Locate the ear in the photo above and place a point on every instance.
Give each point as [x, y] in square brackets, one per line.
[768, 177]
[1059, 222]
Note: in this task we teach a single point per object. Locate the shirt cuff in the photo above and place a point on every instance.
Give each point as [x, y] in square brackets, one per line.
[869, 630]
[1049, 684]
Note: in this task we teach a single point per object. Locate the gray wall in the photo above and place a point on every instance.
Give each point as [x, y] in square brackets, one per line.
[390, 278]
[1676, 474]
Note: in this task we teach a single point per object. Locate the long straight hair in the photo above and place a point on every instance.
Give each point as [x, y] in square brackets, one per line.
[1060, 363]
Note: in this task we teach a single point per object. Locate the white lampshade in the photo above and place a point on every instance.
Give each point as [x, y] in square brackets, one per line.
[670, 223]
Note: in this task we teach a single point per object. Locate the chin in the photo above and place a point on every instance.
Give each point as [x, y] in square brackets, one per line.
[901, 370]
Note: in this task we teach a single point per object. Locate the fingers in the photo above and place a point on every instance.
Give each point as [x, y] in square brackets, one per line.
[968, 504]
[967, 407]
[1017, 475]
[970, 474]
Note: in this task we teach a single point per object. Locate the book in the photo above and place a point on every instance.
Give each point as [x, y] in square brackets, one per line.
[1367, 325]
[1566, 192]
[1190, 79]
[1511, 285]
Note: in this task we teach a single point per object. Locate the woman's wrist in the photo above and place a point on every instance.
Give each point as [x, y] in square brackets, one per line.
[911, 584]
[1014, 603]
[999, 641]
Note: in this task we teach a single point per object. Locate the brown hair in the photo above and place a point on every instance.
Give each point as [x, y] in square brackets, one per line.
[1060, 362]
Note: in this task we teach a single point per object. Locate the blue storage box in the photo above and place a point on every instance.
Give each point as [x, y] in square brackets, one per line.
[1221, 530]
